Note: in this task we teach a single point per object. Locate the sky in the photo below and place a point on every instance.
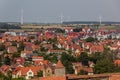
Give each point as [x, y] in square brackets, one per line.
[49, 11]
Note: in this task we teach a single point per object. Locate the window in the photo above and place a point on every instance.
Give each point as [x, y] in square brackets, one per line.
[30, 73]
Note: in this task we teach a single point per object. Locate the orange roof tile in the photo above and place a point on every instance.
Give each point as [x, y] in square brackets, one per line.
[59, 64]
[117, 62]
[53, 78]
[115, 77]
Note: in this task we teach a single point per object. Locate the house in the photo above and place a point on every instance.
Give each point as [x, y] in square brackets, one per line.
[96, 48]
[27, 72]
[91, 64]
[48, 46]
[39, 61]
[35, 47]
[7, 44]
[87, 45]
[4, 69]
[86, 30]
[117, 62]
[68, 30]
[28, 48]
[48, 71]
[36, 58]
[19, 60]
[1, 41]
[78, 66]
[25, 54]
[11, 49]
[55, 51]
[87, 69]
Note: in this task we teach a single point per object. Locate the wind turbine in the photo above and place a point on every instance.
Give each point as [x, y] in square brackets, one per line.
[21, 16]
[100, 20]
[61, 18]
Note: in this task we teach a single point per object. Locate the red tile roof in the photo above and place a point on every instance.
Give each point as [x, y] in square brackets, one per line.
[53, 78]
[12, 49]
[97, 48]
[112, 76]
[117, 62]
[59, 64]
[115, 77]
[44, 62]
[24, 70]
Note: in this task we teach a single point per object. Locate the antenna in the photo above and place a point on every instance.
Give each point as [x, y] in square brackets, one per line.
[100, 18]
[21, 16]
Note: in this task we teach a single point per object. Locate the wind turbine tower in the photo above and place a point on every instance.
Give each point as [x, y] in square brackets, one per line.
[22, 17]
[100, 19]
[61, 18]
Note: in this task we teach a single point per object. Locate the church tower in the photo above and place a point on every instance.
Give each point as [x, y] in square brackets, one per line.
[59, 69]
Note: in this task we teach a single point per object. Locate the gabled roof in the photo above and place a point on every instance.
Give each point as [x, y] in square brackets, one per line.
[24, 70]
[12, 49]
[59, 64]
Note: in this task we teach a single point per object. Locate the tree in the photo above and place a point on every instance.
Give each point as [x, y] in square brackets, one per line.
[5, 52]
[43, 49]
[3, 77]
[21, 47]
[90, 39]
[16, 54]
[7, 60]
[31, 37]
[68, 67]
[14, 44]
[104, 66]
[96, 57]
[82, 72]
[67, 62]
[77, 29]
[9, 74]
[40, 73]
[55, 47]
[83, 57]
[2, 47]
[37, 42]
[52, 40]
[68, 57]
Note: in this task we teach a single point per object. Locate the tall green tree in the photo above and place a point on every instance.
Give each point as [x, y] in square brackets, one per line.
[96, 57]
[104, 66]
[21, 47]
[84, 58]
[90, 39]
[67, 62]
[7, 60]
[40, 73]
[14, 44]
[9, 75]
[2, 47]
